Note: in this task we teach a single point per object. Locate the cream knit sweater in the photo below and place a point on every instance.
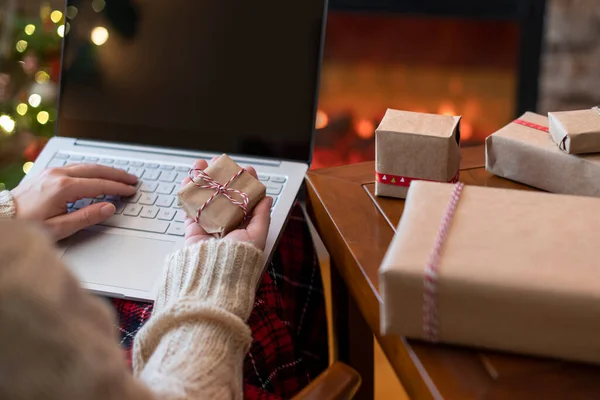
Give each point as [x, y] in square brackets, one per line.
[59, 342]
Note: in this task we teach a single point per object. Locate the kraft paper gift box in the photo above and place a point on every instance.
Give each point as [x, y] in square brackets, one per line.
[415, 146]
[576, 132]
[524, 151]
[221, 215]
[518, 271]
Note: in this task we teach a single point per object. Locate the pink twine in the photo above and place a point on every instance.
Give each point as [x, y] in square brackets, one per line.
[224, 189]
[430, 280]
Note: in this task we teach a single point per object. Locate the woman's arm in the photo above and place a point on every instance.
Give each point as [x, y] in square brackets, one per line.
[194, 344]
[56, 340]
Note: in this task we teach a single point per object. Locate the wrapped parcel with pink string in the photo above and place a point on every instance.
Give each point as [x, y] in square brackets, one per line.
[220, 197]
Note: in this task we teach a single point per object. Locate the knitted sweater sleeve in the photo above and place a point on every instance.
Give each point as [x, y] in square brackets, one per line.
[7, 205]
[195, 343]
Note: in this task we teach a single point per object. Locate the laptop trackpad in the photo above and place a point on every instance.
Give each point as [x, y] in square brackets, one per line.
[116, 260]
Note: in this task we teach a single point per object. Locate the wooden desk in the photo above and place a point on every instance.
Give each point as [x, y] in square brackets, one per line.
[357, 228]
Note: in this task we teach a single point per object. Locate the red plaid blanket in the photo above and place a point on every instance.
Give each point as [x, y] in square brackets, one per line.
[288, 322]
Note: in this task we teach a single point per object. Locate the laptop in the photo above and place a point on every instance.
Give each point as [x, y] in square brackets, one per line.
[149, 86]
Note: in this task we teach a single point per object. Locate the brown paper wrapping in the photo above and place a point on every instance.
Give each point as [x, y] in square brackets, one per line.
[519, 271]
[221, 216]
[416, 145]
[530, 156]
[576, 132]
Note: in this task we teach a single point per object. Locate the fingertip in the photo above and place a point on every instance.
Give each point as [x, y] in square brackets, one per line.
[200, 164]
[252, 171]
[107, 210]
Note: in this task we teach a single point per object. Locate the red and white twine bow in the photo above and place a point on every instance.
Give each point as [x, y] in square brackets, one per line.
[430, 280]
[224, 189]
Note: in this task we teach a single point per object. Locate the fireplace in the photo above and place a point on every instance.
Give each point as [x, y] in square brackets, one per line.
[475, 59]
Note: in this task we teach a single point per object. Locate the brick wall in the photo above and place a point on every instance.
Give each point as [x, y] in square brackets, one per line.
[570, 76]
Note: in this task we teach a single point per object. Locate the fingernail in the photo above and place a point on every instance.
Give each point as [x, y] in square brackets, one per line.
[107, 210]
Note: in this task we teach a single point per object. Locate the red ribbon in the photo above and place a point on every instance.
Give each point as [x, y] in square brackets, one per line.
[531, 125]
[399, 180]
[223, 189]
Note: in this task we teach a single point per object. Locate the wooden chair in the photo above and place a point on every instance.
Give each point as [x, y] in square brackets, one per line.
[338, 382]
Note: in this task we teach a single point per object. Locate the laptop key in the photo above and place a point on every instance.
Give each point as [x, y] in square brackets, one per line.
[263, 178]
[120, 206]
[56, 163]
[151, 174]
[166, 214]
[76, 158]
[148, 199]
[278, 179]
[149, 187]
[181, 176]
[275, 198]
[274, 188]
[82, 203]
[132, 199]
[121, 162]
[182, 169]
[168, 176]
[61, 156]
[151, 165]
[136, 171]
[176, 229]
[136, 163]
[149, 212]
[180, 216]
[107, 160]
[132, 210]
[138, 224]
[164, 201]
[167, 167]
[165, 188]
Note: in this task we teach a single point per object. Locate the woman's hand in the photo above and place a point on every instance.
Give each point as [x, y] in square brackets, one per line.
[254, 231]
[45, 197]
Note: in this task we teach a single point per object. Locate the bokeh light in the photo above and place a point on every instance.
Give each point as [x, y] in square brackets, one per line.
[43, 117]
[42, 77]
[21, 46]
[61, 30]
[29, 29]
[35, 100]
[7, 123]
[22, 109]
[27, 167]
[56, 16]
[99, 35]
[98, 5]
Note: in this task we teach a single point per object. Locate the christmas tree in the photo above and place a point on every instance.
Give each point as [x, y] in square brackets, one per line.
[29, 72]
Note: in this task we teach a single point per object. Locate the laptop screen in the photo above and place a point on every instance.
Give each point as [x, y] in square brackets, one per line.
[230, 76]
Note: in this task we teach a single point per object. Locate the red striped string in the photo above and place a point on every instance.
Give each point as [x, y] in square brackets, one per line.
[531, 125]
[224, 189]
[430, 299]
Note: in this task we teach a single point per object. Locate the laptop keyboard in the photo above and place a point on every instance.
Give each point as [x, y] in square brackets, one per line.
[154, 207]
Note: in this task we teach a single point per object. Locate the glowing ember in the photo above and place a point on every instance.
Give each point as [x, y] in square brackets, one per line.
[466, 131]
[322, 120]
[446, 108]
[365, 129]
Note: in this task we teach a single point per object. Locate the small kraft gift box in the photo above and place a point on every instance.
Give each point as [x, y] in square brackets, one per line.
[413, 146]
[220, 197]
[524, 151]
[502, 269]
[576, 132]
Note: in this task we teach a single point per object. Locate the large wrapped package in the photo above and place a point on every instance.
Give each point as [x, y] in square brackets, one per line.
[501, 269]
[524, 151]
